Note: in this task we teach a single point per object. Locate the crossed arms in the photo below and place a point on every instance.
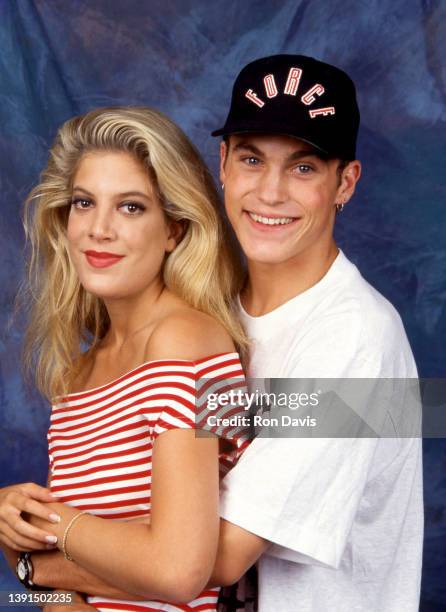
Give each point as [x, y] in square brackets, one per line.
[173, 558]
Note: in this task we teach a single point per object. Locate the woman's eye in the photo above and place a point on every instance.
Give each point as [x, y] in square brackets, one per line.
[132, 208]
[80, 203]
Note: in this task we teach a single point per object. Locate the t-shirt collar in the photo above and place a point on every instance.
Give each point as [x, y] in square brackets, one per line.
[280, 316]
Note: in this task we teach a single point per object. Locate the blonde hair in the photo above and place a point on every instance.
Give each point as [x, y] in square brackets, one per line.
[204, 269]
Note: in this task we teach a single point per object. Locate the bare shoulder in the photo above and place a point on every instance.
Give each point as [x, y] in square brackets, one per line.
[186, 333]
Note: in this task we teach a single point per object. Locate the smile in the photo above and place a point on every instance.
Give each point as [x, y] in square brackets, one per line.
[271, 221]
[102, 259]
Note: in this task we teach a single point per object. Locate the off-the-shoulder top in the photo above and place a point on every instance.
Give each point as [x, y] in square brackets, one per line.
[101, 441]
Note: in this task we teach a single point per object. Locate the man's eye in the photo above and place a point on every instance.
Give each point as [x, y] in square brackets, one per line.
[80, 203]
[304, 168]
[251, 161]
[132, 208]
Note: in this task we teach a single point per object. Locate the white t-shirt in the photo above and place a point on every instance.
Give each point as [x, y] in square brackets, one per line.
[344, 515]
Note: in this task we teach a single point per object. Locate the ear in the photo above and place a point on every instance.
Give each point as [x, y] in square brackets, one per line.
[350, 176]
[223, 155]
[175, 232]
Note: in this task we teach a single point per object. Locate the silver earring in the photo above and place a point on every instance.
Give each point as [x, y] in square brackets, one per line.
[340, 205]
[222, 185]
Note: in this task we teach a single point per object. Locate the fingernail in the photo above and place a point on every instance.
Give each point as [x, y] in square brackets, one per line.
[52, 539]
[55, 518]
[50, 546]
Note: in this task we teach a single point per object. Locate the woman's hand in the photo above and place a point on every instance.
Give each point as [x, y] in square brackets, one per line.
[65, 514]
[29, 499]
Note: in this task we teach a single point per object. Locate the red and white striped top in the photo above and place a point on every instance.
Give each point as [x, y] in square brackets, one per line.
[100, 443]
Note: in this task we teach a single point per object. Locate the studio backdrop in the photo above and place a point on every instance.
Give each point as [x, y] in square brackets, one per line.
[60, 58]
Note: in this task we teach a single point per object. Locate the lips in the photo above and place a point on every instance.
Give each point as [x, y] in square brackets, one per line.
[102, 259]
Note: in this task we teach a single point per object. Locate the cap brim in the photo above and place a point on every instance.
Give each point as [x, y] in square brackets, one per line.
[227, 131]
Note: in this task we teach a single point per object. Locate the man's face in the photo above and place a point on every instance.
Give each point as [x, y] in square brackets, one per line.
[279, 196]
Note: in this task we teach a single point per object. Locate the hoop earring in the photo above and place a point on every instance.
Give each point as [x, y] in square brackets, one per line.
[340, 207]
[222, 185]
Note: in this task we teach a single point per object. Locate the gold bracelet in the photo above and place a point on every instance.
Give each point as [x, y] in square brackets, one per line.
[64, 540]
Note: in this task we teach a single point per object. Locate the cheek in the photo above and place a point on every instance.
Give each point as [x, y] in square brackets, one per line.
[234, 197]
[74, 228]
[73, 235]
[146, 240]
[229, 207]
[316, 199]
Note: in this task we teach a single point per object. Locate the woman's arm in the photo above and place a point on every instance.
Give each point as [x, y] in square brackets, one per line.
[172, 558]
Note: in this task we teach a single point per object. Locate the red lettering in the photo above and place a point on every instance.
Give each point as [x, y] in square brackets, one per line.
[270, 86]
[292, 82]
[328, 110]
[251, 95]
[308, 97]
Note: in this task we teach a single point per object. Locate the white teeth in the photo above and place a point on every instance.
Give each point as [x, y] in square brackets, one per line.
[269, 220]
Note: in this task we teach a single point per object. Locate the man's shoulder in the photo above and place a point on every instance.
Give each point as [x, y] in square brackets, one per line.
[354, 330]
[363, 305]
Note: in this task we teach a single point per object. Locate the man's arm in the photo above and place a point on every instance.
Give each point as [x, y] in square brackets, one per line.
[238, 550]
[51, 569]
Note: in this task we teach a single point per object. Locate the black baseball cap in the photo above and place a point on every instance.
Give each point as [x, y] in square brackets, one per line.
[296, 96]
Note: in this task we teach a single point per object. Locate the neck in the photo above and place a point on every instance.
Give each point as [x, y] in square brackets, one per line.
[131, 314]
[271, 285]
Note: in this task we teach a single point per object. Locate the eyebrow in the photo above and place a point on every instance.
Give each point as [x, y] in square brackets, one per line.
[124, 194]
[296, 155]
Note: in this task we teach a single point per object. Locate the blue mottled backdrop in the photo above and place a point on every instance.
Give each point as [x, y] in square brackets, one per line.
[59, 58]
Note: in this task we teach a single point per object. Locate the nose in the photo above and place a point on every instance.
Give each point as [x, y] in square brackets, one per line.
[271, 189]
[102, 226]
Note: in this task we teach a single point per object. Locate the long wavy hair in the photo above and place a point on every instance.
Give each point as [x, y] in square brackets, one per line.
[65, 321]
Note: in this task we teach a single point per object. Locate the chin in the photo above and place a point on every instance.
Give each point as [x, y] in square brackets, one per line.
[270, 256]
[108, 290]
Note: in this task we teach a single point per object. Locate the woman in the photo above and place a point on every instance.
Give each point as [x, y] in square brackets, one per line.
[129, 259]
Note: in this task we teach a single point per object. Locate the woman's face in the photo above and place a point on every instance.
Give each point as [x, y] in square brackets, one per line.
[117, 232]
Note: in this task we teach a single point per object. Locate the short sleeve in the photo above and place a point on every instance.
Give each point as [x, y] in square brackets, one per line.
[178, 411]
[192, 396]
[301, 495]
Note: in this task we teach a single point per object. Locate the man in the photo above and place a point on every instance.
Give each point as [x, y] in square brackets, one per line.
[339, 521]
[335, 523]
